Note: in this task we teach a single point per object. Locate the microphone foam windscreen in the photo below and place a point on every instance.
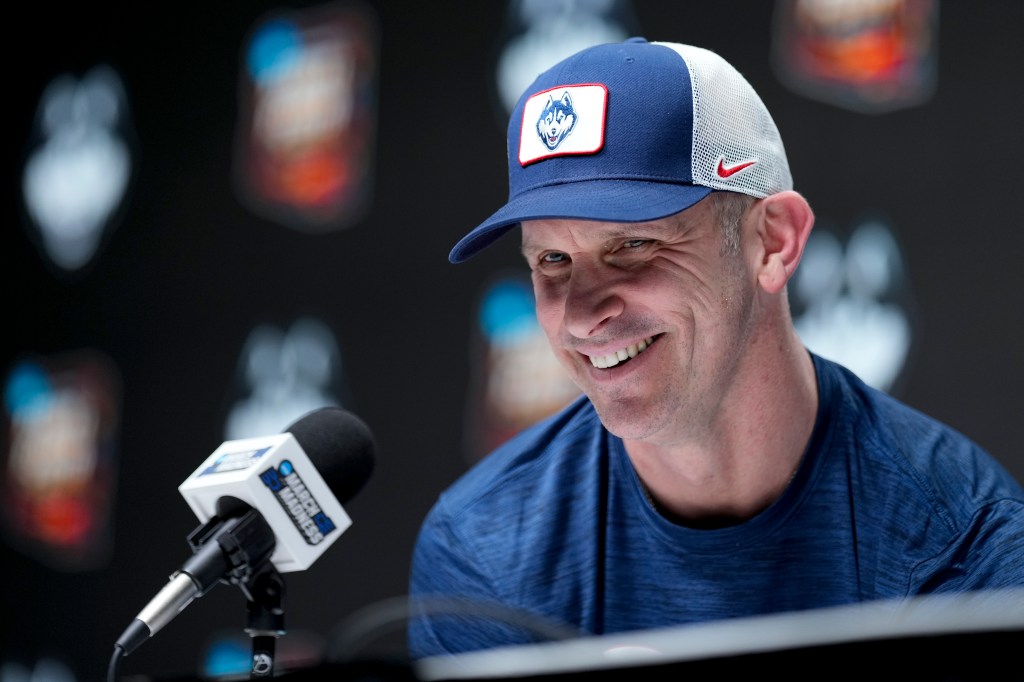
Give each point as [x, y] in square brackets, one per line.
[341, 447]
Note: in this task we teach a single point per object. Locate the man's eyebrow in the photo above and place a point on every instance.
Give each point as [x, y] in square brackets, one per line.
[620, 231]
[528, 247]
[639, 229]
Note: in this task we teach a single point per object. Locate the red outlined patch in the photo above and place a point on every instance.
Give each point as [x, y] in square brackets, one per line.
[563, 121]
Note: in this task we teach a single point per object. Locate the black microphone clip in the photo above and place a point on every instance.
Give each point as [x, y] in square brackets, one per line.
[229, 549]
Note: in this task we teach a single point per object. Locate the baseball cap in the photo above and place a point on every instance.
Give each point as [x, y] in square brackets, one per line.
[633, 131]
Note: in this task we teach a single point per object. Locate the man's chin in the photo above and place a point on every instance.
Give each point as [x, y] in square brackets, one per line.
[629, 420]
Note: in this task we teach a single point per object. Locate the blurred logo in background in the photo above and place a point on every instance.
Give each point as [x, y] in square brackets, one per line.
[869, 56]
[305, 142]
[62, 416]
[852, 301]
[516, 379]
[282, 375]
[228, 654]
[539, 33]
[45, 669]
[78, 166]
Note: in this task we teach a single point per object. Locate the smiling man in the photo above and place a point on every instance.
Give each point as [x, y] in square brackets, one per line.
[714, 467]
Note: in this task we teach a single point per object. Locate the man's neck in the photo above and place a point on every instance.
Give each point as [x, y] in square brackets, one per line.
[740, 464]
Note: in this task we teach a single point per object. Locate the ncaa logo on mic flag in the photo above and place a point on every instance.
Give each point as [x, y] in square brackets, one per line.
[234, 461]
[563, 121]
[298, 502]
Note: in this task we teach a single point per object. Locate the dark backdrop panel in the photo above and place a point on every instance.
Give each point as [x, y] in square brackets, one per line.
[188, 271]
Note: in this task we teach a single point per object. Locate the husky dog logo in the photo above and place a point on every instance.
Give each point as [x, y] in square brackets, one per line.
[556, 120]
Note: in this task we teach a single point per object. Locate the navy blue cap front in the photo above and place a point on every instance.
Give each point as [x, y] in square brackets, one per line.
[622, 156]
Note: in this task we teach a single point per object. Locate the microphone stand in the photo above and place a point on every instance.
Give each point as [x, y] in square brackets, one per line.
[243, 544]
[264, 591]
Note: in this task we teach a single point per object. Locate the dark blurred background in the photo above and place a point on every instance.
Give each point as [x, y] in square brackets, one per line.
[212, 269]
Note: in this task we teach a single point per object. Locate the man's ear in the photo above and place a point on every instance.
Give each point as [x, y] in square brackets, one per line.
[786, 221]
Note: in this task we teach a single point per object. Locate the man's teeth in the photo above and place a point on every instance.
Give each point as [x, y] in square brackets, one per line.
[612, 359]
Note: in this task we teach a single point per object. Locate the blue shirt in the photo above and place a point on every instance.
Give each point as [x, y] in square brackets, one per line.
[887, 503]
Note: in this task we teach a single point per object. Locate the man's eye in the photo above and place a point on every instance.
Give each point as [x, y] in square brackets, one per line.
[553, 258]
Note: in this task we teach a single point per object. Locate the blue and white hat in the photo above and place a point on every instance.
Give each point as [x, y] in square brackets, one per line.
[633, 131]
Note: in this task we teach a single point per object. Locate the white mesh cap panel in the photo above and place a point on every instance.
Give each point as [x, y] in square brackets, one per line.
[732, 126]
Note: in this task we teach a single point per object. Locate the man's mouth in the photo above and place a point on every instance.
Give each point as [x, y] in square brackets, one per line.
[612, 359]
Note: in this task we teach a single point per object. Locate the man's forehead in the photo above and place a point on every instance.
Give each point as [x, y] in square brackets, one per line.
[538, 234]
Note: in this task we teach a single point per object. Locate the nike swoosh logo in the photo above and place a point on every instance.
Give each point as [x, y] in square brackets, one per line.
[724, 172]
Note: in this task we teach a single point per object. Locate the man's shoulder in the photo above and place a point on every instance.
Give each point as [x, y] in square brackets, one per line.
[878, 417]
[942, 465]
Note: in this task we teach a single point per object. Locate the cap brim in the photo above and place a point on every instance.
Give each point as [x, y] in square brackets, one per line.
[626, 201]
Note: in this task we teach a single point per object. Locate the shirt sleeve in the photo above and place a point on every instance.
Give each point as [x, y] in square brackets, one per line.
[454, 607]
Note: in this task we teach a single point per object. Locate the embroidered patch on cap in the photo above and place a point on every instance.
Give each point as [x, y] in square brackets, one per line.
[563, 121]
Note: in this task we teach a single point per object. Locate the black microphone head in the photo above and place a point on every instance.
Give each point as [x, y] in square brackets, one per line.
[341, 447]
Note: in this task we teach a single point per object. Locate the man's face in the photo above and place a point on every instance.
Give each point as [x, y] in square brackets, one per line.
[665, 295]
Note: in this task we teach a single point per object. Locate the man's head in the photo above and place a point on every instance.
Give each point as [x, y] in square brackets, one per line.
[630, 132]
[660, 228]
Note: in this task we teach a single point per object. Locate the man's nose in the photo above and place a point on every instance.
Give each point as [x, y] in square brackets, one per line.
[592, 299]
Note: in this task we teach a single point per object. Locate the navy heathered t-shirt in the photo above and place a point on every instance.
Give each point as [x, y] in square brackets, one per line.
[887, 503]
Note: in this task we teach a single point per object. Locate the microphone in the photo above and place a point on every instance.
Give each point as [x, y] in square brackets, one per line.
[273, 499]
